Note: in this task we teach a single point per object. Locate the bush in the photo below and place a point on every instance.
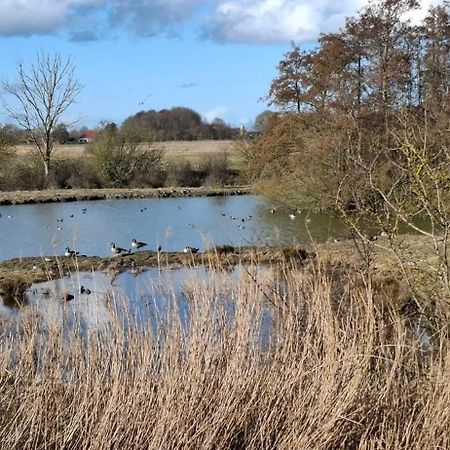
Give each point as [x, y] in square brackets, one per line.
[21, 173]
[218, 171]
[119, 158]
[183, 174]
[74, 173]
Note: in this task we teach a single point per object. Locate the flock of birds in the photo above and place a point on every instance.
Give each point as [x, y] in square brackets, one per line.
[136, 244]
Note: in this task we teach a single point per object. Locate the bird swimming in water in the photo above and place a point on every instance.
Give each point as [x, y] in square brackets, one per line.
[84, 290]
[137, 244]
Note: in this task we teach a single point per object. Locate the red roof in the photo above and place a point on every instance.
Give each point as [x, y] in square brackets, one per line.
[89, 135]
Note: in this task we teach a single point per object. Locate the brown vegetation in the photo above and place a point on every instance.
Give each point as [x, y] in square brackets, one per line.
[359, 98]
[286, 358]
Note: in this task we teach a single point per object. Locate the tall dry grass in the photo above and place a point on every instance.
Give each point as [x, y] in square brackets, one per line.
[292, 359]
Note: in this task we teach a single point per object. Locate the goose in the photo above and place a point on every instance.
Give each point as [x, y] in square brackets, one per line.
[69, 252]
[190, 250]
[118, 250]
[137, 244]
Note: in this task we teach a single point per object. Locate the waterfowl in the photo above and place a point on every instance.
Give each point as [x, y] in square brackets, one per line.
[84, 290]
[69, 252]
[67, 297]
[272, 211]
[118, 250]
[137, 244]
[190, 250]
[292, 216]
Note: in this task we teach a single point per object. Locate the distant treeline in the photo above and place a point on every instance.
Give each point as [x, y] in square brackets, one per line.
[175, 124]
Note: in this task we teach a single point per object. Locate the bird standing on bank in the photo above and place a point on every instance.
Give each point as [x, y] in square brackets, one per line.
[137, 244]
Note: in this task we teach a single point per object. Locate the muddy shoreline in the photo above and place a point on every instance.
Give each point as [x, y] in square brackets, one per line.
[31, 270]
[73, 195]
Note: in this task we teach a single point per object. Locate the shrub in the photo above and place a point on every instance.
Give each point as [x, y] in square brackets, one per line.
[119, 158]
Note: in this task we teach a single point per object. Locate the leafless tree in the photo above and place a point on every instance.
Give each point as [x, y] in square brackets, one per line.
[39, 97]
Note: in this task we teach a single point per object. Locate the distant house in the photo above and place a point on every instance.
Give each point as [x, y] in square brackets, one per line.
[87, 136]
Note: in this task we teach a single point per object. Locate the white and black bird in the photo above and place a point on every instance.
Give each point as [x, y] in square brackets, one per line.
[118, 250]
[137, 244]
[292, 216]
[188, 249]
[69, 252]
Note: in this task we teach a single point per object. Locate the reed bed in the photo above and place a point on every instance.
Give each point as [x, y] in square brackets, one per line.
[291, 358]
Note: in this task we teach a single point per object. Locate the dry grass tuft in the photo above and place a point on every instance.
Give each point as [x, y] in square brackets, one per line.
[287, 358]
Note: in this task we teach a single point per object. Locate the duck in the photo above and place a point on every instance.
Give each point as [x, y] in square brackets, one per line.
[118, 250]
[188, 249]
[84, 290]
[137, 244]
[67, 297]
[292, 216]
[69, 252]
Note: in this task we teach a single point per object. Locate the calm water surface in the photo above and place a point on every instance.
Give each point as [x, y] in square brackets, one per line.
[173, 223]
[144, 299]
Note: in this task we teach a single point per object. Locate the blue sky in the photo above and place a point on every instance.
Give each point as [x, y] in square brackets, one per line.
[214, 56]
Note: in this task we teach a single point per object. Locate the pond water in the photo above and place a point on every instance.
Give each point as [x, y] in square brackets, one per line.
[172, 223]
[146, 299]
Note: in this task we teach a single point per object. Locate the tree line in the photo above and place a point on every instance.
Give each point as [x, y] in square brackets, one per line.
[176, 124]
[349, 108]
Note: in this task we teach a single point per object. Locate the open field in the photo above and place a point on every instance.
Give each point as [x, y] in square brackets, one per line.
[193, 151]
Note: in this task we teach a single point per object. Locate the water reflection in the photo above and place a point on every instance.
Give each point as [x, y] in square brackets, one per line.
[149, 299]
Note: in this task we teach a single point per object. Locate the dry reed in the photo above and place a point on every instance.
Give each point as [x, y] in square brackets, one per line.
[290, 359]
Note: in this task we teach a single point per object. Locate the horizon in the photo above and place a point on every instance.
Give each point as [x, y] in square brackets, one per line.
[216, 57]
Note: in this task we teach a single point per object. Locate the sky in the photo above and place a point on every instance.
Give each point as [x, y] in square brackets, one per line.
[217, 57]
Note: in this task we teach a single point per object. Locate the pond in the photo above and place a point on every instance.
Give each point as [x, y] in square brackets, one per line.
[151, 298]
[172, 223]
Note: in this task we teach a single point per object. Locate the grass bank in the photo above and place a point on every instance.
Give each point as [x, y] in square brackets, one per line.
[72, 195]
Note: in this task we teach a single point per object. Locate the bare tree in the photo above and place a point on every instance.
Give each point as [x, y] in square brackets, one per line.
[40, 95]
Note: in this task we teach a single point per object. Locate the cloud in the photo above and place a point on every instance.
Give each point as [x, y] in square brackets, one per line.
[28, 17]
[150, 17]
[233, 21]
[187, 85]
[83, 36]
[277, 21]
[140, 17]
[217, 112]
[281, 21]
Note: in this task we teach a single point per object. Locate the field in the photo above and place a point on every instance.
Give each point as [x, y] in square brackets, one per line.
[192, 151]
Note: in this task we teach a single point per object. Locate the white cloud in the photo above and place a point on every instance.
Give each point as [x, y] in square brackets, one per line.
[255, 21]
[281, 21]
[277, 21]
[27, 17]
[217, 112]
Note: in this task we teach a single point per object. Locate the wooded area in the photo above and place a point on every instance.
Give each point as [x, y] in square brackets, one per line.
[364, 116]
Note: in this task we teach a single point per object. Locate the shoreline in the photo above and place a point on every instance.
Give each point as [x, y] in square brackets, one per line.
[30, 270]
[74, 195]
